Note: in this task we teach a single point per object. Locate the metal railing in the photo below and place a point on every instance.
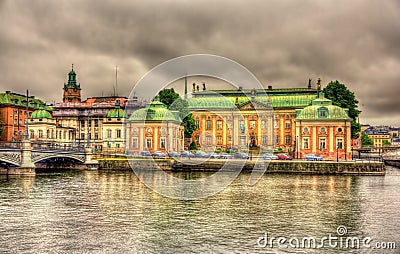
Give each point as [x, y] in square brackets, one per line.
[54, 146]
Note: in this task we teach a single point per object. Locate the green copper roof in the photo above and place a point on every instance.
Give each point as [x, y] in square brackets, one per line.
[13, 99]
[72, 80]
[155, 111]
[41, 114]
[322, 109]
[116, 113]
[276, 100]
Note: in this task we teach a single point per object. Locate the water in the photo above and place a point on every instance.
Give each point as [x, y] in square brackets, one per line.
[113, 212]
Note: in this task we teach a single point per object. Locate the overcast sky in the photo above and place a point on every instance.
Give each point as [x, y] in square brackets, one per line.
[282, 42]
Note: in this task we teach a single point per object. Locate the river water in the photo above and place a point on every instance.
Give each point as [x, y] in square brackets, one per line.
[113, 212]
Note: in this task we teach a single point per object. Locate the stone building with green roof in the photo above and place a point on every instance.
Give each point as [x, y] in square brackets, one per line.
[264, 119]
[323, 129]
[114, 131]
[43, 129]
[154, 128]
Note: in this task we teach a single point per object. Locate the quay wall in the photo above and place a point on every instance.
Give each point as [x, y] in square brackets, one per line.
[213, 165]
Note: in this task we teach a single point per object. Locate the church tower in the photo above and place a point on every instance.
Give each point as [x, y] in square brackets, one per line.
[72, 90]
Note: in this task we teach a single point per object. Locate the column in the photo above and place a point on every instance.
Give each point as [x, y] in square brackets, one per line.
[141, 138]
[236, 131]
[314, 139]
[332, 143]
[155, 138]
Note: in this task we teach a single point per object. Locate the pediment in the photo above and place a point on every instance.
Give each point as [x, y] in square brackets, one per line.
[253, 105]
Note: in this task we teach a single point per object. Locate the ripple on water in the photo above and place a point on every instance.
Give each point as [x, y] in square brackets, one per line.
[114, 212]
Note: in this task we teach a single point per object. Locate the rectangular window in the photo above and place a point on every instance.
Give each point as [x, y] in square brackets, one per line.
[264, 140]
[263, 125]
[117, 145]
[96, 135]
[219, 125]
[230, 138]
[96, 123]
[276, 137]
[118, 133]
[322, 144]
[208, 125]
[162, 143]
[339, 143]
[149, 142]
[219, 140]
[243, 140]
[287, 125]
[242, 127]
[252, 125]
[287, 139]
[82, 124]
[134, 143]
[82, 136]
[197, 122]
[208, 140]
[89, 123]
[89, 135]
[230, 124]
[109, 133]
[305, 143]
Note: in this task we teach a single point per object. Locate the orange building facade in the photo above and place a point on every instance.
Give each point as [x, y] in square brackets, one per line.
[13, 114]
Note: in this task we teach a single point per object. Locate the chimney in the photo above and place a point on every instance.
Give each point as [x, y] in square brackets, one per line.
[269, 87]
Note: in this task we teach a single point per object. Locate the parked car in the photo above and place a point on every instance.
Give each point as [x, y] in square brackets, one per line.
[201, 154]
[215, 156]
[239, 155]
[270, 156]
[145, 154]
[187, 154]
[159, 154]
[174, 154]
[283, 156]
[225, 156]
[313, 157]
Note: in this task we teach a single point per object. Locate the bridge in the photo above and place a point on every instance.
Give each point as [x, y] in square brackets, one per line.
[23, 157]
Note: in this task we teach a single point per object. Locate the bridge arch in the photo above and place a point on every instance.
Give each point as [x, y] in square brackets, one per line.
[41, 157]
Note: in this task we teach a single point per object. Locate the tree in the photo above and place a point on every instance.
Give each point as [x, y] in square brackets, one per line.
[193, 146]
[386, 143]
[341, 96]
[366, 140]
[174, 102]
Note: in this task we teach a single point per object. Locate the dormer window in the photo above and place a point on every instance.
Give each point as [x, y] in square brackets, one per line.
[322, 112]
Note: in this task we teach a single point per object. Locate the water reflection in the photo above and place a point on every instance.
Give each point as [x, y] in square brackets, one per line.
[90, 211]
